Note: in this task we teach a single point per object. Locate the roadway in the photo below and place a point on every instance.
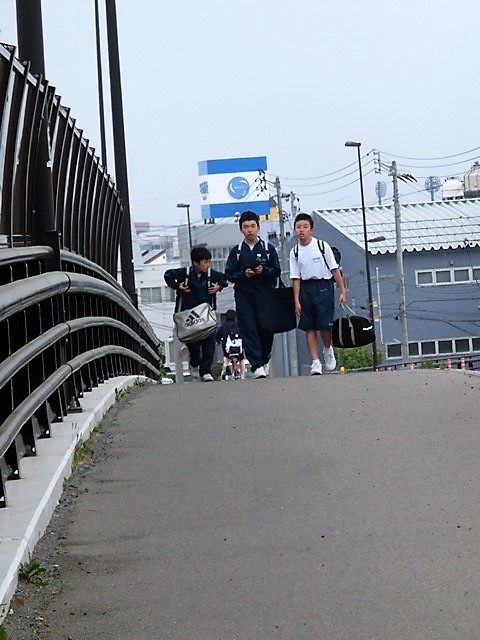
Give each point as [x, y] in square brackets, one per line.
[341, 507]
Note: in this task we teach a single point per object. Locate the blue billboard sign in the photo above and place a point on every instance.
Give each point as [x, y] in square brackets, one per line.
[229, 187]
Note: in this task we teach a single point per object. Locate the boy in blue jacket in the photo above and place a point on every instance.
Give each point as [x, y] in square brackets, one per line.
[200, 283]
[253, 267]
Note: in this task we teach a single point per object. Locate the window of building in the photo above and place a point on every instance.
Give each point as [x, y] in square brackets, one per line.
[145, 296]
[424, 277]
[413, 349]
[151, 295]
[443, 276]
[461, 275]
[462, 345]
[435, 347]
[428, 348]
[445, 346]
[394, 350]
[432, 277]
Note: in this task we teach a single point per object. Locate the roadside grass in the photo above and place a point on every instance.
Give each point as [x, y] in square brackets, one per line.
[83, 451]
[32, 571]
[121, 393]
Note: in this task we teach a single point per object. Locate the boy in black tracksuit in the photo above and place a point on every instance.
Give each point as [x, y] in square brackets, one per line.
[252, 267]
[192, 283]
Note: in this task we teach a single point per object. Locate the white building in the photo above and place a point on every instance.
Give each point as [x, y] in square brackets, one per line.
[155, 300]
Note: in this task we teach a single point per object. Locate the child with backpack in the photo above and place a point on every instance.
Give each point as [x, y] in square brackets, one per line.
[253, 267]
[313, 270]
[232, 345]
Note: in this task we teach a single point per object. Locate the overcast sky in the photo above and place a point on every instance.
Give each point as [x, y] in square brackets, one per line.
[291, 80]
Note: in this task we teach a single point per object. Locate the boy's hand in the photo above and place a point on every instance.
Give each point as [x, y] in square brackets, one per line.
[249, 273]
[183, 288]
[214, 288]
[298, 308]
[258, 269]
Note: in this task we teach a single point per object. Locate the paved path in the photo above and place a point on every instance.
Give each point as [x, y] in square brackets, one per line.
[333, 508]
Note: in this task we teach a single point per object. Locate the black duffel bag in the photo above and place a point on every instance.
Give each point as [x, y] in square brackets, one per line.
[276, 309]
[352, 331]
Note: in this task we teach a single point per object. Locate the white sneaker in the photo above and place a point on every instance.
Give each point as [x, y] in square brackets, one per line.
[207, 378]
[316, 369]
[329, 358]
[194, 373]
[266, 368]
[259, 373]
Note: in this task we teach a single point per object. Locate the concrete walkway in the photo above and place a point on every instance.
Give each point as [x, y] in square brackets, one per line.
[344, 507]
[32, 500]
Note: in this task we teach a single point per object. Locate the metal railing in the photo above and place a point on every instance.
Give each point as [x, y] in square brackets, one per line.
[63, 333]
[66, 325]
[87, 206]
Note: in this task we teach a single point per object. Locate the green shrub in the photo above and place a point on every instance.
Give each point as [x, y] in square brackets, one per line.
[427, 365]
[359, 357]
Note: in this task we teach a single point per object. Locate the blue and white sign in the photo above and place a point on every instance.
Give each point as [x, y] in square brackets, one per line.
[229, 187]
[238, 187]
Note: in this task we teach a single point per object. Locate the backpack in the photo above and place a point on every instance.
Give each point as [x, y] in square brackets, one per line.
[233, 342]
[336, 253]
[265, 246]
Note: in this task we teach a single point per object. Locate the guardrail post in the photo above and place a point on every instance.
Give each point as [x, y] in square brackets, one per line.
[177, 346]
[30, 47]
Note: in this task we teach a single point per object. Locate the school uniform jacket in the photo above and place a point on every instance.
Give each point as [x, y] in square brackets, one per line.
[197, 283]
[246, 258]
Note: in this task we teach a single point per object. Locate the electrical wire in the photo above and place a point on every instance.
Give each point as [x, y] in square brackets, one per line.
[321, 193]
[454, 155]
[319, 184]
[438, 166]
[325, 175]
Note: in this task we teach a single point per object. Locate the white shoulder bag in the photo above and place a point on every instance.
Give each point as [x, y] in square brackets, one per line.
[196, 324]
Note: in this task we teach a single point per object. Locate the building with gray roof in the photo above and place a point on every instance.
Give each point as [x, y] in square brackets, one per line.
[441, 260]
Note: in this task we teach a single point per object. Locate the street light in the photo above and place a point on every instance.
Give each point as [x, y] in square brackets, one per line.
[183, 205]
[357, 145]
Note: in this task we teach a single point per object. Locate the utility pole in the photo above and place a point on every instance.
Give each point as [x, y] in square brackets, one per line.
[402, 307]
[289, 340]
[377, 161]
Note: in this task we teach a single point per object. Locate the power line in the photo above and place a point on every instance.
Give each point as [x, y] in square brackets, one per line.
[325, 175]
[439, 166]
[454, 155]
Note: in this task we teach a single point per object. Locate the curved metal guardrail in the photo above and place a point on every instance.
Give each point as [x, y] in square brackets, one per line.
[66, 325]
[87, 206]
[63, 333]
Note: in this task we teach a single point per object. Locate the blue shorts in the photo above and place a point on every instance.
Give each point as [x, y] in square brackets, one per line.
[317, 300]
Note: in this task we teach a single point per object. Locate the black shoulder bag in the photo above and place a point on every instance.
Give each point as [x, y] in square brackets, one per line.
[276, 309]
[352, 331]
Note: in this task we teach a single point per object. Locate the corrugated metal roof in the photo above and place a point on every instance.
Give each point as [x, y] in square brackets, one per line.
[424, 225]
